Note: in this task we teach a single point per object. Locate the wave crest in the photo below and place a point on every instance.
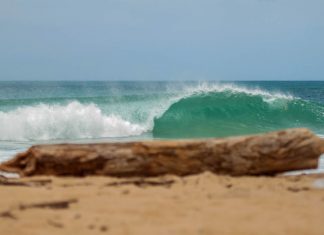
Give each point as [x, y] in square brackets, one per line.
[219, 111]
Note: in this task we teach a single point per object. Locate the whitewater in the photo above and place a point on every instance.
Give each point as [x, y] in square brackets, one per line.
[54, 112]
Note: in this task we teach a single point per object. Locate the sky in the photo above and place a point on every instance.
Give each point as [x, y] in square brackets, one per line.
[162, 40]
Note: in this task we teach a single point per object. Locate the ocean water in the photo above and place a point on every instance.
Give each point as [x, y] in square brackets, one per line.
[55, 112]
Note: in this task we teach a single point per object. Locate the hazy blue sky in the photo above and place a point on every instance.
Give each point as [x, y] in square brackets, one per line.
[161, 39]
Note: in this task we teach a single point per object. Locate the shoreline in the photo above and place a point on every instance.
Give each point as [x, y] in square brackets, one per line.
[13, 153]
[167, 187]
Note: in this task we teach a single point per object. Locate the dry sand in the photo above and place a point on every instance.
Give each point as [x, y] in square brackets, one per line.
[201, 204]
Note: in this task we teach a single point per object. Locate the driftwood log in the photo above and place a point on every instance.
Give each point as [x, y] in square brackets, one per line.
[271, 153]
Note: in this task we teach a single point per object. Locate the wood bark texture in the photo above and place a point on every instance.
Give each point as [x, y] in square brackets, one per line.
[292, 149]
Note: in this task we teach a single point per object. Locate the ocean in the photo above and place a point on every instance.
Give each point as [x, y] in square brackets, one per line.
[63, 111]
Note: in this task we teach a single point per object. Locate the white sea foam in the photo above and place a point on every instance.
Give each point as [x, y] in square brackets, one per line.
[71, 121]
[235, 89]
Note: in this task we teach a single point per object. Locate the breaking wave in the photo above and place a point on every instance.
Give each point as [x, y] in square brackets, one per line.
[199, 111]
[225, 111]
[71, 121]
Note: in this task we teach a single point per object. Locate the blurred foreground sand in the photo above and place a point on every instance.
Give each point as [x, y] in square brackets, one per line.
[201, 204]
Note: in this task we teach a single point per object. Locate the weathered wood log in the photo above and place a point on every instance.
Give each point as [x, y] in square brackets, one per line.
[270, 153]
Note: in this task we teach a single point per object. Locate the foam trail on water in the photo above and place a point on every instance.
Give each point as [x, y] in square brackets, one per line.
[71, 121]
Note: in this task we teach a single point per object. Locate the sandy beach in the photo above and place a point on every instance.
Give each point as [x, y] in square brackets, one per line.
[200, 204]
[162, 117]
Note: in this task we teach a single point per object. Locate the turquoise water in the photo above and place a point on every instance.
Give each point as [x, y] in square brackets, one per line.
[51, 112]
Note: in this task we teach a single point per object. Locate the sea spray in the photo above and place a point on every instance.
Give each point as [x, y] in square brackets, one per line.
[166, 111]
[72, 121]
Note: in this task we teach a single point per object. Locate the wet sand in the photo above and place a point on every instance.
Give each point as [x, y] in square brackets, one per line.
[201, 204]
